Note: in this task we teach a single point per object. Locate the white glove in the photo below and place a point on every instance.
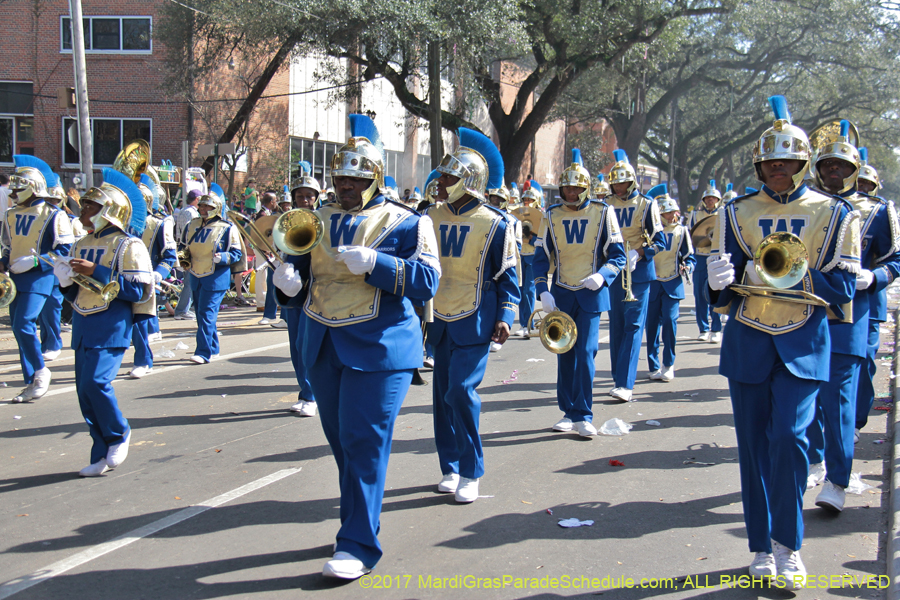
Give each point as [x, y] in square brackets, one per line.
[633, 258]
[752, 275]
[217, 257]
[547, 302]
[64, 273]
[22, 264]
[864, 279]
[593, 282]
[359, 259]
[157, 277]
[721, 272]
[287, 279]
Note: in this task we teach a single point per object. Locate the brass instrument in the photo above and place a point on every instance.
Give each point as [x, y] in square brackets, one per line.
[626, 277]
[558, 332]
[781, 262]
[7, 290]
[702, 233]
[133, 160]
[108, 292]
[184, 259]
[298, 231]
[256, 238]
[527, 227]
[534, 322]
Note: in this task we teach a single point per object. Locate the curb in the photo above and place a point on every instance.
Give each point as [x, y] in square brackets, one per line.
[893, 542]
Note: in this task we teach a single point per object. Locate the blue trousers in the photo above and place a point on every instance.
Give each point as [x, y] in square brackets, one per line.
[702, 307]
[865, 396]
[23, 314]
[575, 368]
[458, 370]
[207, 310]
[271, 308]
[528, 292]
[187, 294]
[140, 334]
[831, 432]
[50, 319]
[95, 370]
[296, 321]
[626, 328]
[770, 420]
[358, 410]
[662, 313]
[153, 324]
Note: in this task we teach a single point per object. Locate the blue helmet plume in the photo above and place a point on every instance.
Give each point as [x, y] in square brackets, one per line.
[658, 190]
[536, 186]
[418, 191]
[601, 177]
[431, 177]
[845, 128]
[305, 168]
[864, 155]
[138, 206]
[482, 144]
[620, 156]
[780, 108]
[712, 183]
[749, 191]
[26, 160]
[513, 186]
[576, 157]
[390, 182]
[728, 188]
[364, 126]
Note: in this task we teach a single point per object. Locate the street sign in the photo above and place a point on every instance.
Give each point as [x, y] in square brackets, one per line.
[209, 149]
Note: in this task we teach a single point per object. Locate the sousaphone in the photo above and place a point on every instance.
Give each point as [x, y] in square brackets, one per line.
[702, 233]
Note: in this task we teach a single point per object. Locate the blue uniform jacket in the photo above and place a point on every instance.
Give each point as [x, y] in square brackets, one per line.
[674, 288]
[162, 258]
[111, 328]
[40, 279]
[609, 267]
[878, 293]
[877, 243]
[806, 351]
[392, 340]
[499, 300]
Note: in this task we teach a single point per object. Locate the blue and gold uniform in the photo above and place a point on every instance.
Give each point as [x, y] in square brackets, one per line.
[101, 328]
[773, 395]
[707, 319]
[583, 240]
[363, 340]
[51, 314]
[216, 253]
[531, 216]
[32, 225]
[667, 291]
[638, 218]
[479, 289]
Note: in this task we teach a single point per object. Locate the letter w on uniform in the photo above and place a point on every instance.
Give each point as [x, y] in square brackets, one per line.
[575, 231]
[23, 223]
[93, 255]
[202, 235]
[343, 229]
[453, 239]
[625, 215]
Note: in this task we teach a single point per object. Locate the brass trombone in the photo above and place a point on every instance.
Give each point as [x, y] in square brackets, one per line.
[7, 290]
[781, 261]
[626, 276]
[108, 292]
[298, 231]
[256, 238]
[184, 258]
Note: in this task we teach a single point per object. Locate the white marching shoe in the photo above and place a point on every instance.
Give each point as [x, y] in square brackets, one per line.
[467, 490]
[655, 375]
[668, 375]
[763, 565]
[704, 337]
[716, 338]
[51, 355]
[495, 347]
[449, 483]
[622, 394]
[831, 497]
[585, 429]
[564, 424]
[95, 470]
[305, 408]
[117, 453]
[344, 565]
[791, 570]
[138, 372]
[25, 395]
[41, 383]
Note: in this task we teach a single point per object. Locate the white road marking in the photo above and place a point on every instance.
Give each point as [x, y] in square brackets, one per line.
[58, 568]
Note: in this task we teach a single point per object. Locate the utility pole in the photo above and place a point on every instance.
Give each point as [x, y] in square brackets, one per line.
[434, 90]
[672, 148]
[86, 146]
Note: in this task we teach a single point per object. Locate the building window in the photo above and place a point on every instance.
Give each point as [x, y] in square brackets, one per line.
[317, 153]
[16, 120]
[110, 34]
[109, 136]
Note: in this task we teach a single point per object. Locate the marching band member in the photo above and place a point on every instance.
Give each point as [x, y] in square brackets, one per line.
[32, 224]
[515, 198]
[729, 194]
[363, 340]
[773, 395]
[601, 187]
[674, 263]
[305, 191]
[216, 253]
[51, 315]
[415, 198]
[581, 236]
[868, 183]
[478, 258]
[159, 238]
[836, 169]
[102, 329]
[499, 198]
[531, 215]
[707, 207]
[638, 218]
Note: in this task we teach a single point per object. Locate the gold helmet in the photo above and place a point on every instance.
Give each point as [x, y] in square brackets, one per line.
[149, 191]
[575, 175]
[782, 141]
[56, 189]
[305, 179]
[514, 196]
[622, 171]
[729, 194]
[215, 199]
[712, 190]
[361, 157]
[117, 195]
[601, 187]
[532, 190]
[840, 147]
[416, 196]
[31, 178]
[503, 194]
[867, 171]
[476, 159]
[660, 193]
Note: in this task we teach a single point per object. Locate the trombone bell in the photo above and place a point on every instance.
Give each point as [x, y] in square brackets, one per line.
[558, 332]
[7, 290]
[298, 231]
[781, 260]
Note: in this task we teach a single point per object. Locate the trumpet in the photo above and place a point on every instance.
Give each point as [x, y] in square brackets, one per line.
[108, 292]
[781, 262]
[184, 258]
[7, 290]
[626, 277]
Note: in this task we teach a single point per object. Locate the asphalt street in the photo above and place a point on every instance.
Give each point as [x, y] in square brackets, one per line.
[227, 494]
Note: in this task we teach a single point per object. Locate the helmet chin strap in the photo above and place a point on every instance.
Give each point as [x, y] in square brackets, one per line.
[581, 198]
[26, 195]
[456, 191]
[369, 194]
[99, 222]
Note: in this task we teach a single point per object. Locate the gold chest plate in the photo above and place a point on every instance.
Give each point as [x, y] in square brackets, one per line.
[26, 226]
[205, 240]
[576, 237]
[666, 262]
[102, 251]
